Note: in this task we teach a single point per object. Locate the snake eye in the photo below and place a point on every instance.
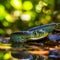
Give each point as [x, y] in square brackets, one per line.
[35, 32]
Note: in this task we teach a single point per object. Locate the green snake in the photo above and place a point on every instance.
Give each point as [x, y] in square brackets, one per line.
[18, 39]
[33, 33]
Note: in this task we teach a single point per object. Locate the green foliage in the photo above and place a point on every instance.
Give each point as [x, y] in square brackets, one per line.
[16, 15]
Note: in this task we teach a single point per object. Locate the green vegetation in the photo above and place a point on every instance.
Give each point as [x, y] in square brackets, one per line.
[17, 15]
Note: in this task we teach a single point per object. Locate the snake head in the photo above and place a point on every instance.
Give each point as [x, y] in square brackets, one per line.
[21, 36]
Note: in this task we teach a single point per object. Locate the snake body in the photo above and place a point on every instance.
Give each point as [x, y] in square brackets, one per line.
[33, 33]
[24, 39]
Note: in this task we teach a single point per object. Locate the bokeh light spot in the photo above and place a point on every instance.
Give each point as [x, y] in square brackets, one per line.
[43, 21]
[8, 31]
[5, 23]
[27, 5]
[25, 17]
[42, 3]
[2, 12]
[9, 18]
[17, 4]
[2, 7]
[48, 18]
[17, 13]
[38, 8]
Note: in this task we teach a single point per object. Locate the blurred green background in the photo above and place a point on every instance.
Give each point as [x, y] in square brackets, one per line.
[19, 15]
